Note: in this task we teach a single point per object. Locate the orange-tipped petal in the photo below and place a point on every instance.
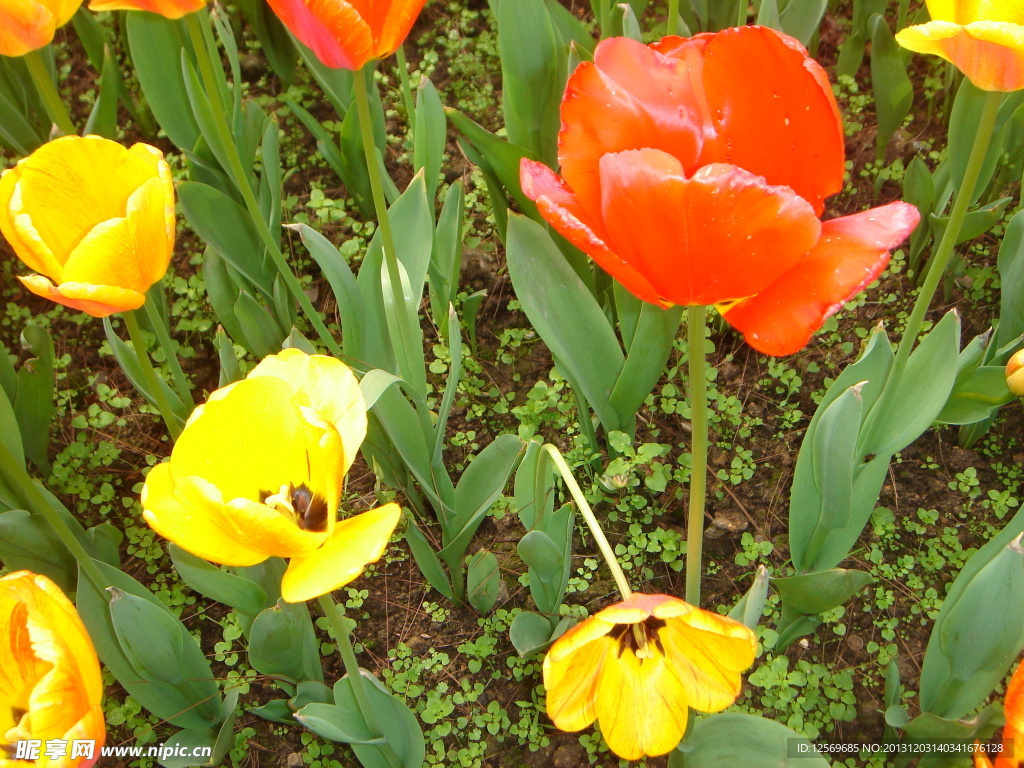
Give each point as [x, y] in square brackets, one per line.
[572, 680]
[562, 210]
[390, 22]
[851, 253]
[25, 25]
[95, 300]
[170, 9]
[356, 542]
[966, 11]
[335, 31]
[786, 128]
[989, 53]
[721, 235]
[640, 606]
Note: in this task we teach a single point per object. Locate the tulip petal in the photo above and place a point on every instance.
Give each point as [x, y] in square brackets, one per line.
[17, 227]
[641, 706]
[1014, 708]
[989, 53]
[572, 680]
[656, 101]
[639, 607]
[189, 512]
[851, 253]
[96, 300]
[25, 25]
[356, 542]
[169, 9]
[667, 226]
[390, 22]
[334, 29]
[267, 530]
[786, 129]
[562, 210]
[966, 11]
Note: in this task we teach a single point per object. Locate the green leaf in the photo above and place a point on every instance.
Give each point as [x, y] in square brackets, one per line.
[768, 15]
[34, 405]
[566, 316]
[834, 456]
[209, 580]
[483, 581]
[27, 542]
[431, 134]
[963, 133]
[427, 560]
[282, 642]
[1010, 264]
[446, 256]
[894, 93]
[645, 361]
[529, 632]
[739, 739]
[102, 119]
[977, 398]
[230, 370]
[129, 362]
[801, 19]
[534, 487]
[749, 609]
[976, 223]
[812, 593]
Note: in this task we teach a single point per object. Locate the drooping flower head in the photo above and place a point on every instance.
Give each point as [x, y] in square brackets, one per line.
[1012, 754]
[27, 25]
[984, 39]
[638, 666]
[94, 219]
[346, 34]
[170, 9]
[257, 472]
[693, 182]
[50, 682]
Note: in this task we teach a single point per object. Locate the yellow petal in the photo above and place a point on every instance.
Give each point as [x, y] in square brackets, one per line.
[25, 25]
[355, 542]
[574, 638]
[96, 300]
[967, 11]
[269, 531]
[990, 54]
[571, 680]
[170, 9]
[641, 706]
[22, 234]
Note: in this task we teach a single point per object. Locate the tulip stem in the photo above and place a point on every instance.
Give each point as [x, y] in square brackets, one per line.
[380, 205]
[673, 17]
[341, 628]
[180, 381]
[696, 321]
[15, 471]
[149, 374]
[403, 79]
[588, 514]
[940, 258]
[208, 72]
[55, 107]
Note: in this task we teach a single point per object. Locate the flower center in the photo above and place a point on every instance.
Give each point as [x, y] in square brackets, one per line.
[640, 639]
[306, 509]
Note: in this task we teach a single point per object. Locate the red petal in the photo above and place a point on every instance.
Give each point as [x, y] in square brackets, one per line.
[389, 22]
[852, 252]
[630, 97]
[335, 30]
[723, 234]
[562, 210]
[783, 123]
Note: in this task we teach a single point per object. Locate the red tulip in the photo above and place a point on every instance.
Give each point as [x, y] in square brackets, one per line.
[695, 172]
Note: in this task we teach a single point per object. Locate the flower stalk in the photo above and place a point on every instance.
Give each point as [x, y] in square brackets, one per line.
[173, 423]
[696, 321]
[673, 17]
[177, 374]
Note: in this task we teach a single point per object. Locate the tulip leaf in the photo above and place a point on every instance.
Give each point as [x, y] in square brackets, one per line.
[102, 119]
[801, 19]
[894, 93]
[736, 738]
[977, 398]
[430, 135]
[129, 361]
[529, 632]
[427, 560]
[230, 369]
[451, 386]
[547, 562]
[768, 15]
[15, 130]
[282, 642]
[1010, 264]
[749, 609]
[569, 27]
[534, 487]
[28, 542]
[566, 316]
[483, 581]
[34, 406]
[446, 257]
[262, 334]
[645, 361]
[209, 580]
[834, 457]
[811, 593]
[964, 121]
[275, 42]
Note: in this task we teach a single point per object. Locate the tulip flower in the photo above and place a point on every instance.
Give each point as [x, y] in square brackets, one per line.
[346, 34]
[27, 25]
[1012, 753]
[96, 221]
[984, 39]
[692, 182]
[258, 470]
[51, 684]
[639, 665]
[171, 9]
[1015, 373]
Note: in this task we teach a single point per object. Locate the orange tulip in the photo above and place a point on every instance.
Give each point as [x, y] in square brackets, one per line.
[984, 39]
[1012, 753]
[639, 665]
[171, 9]
[693, 182]
[26, 25]
[50, 682]
[345, 34]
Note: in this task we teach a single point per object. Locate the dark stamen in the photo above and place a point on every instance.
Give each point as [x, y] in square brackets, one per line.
[627, 639]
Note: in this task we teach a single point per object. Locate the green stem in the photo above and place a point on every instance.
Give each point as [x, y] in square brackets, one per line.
[55, 107]
[380, 205]
[696, 318]
[673, 17]
[13, 470]
[602, 18]
[901, 19]
[149, 374]
[588, 515]
[211, 83]
[341, 627]
[170, 353]
[940, 259]
[741, 14]
[403, 79]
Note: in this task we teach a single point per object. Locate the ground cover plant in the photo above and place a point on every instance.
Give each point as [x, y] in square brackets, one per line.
[362, 405]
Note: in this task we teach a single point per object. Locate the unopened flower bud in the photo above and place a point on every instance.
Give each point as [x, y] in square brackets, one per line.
[1015, 373]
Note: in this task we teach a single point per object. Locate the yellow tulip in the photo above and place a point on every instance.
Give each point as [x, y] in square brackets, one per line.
[96, 221]
[638, 666]
[258, 471]
[171, 9]
[26, 25]
[984, 39]
[50, 682]
[1015, 373]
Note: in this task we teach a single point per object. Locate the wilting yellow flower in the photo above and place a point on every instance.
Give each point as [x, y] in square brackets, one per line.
[984, 39]
[26, 25]
[258, 471]
[96, 221]
[171, 9]
[1012, 753]
[50, 682]
[639, 665]
[1015, 373]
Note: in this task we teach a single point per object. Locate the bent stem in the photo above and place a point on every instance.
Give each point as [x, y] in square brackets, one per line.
[55, 107]
[341, 628]
[588, 514]
[696, 318]
[149, 374]
[209, 74]
[940, 259]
